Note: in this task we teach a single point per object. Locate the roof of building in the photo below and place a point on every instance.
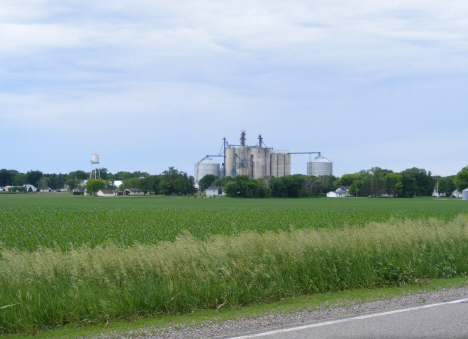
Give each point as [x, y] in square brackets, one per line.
[132, 189]
[208, 160]
[108, 191]
[215, 187]
[320, 159]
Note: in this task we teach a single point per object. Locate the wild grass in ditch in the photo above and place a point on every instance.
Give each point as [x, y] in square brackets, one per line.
[50, 288]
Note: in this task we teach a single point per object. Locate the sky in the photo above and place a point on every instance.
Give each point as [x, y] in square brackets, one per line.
[153, 84]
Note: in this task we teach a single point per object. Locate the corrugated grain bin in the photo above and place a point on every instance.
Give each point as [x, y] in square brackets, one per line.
[320, 166]
[465, 194]
[204, 167]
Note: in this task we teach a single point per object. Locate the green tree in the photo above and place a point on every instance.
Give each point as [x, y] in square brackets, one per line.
[423, 180]
[237, 187]
[222, 181]
[72, 184]
[409, 187]
[94, 185]
[149, 183]
[176, 182]
[243, 186]
[78, 175]
[132, 183]
[206, 181]
[34, 177]
[461, 179]
[20, 179]
[43, 183]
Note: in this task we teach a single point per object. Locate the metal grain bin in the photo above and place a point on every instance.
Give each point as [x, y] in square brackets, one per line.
[465, 194]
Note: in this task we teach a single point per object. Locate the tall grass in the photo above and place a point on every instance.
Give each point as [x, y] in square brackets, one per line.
[49, 288]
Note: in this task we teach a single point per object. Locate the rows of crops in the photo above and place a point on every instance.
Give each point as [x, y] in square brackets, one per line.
[96, 260]
[32, 223]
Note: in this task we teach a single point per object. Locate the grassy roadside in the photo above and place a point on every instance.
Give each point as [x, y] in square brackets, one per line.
[50, 289]
[289, 305]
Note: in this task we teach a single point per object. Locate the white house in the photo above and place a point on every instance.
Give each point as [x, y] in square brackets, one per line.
[106, 193]
[341, 192]
[213, 191]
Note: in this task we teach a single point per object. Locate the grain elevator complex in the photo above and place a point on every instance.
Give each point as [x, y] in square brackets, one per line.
[257, 161]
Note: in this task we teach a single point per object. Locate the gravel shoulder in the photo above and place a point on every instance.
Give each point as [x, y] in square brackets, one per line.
[231, 328]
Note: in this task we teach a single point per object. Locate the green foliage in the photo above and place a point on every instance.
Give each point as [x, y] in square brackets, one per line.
[380, 182]
[132, 183]
[17, 189]
[34, 177]
[446, 184]
[423, 182]
[20, 179]
[461, 179]
[43, 183]
[243, 186]
[48, 288]
[206, 181]
[174, 182]
[287, 186]
[94, 185]
[409, 188]
[222, 181]
[7, 177]
[29, 222]
[78, 175]
[72, 184]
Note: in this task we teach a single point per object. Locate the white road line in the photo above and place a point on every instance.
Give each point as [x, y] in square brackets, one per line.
[332, 322]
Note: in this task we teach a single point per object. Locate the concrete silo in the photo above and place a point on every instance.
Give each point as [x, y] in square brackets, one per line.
[204, 167]
[319, 166]
[230, 157]
[280, 164]
[260, 161]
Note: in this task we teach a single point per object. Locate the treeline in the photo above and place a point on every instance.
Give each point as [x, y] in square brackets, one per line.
[375, 182]
[57, 181]
[169, 182]
[291, 186]
[378, 182]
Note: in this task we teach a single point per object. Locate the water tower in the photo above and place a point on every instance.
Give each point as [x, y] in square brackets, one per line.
[95, 172]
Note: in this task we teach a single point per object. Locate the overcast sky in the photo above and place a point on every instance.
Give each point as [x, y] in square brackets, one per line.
[152, 84]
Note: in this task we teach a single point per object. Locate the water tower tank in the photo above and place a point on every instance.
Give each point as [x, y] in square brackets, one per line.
[465, 194]
[319, 166]
[204, 167]
[95, 159]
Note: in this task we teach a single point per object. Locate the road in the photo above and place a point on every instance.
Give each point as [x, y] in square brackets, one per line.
[438, 320]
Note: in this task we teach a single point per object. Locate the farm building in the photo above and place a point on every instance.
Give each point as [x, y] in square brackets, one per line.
[457, 194]
[341, 192]
[106, 193]
[132, 191]
[28, 186]
[213, 191]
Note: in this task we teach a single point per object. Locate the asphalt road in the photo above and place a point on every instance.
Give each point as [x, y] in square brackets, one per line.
[438, 320]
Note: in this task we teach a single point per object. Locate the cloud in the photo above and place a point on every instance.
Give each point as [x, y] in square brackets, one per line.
[335, 77]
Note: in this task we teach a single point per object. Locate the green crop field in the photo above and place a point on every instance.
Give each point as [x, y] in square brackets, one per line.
[68, 260]
[29, 221]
